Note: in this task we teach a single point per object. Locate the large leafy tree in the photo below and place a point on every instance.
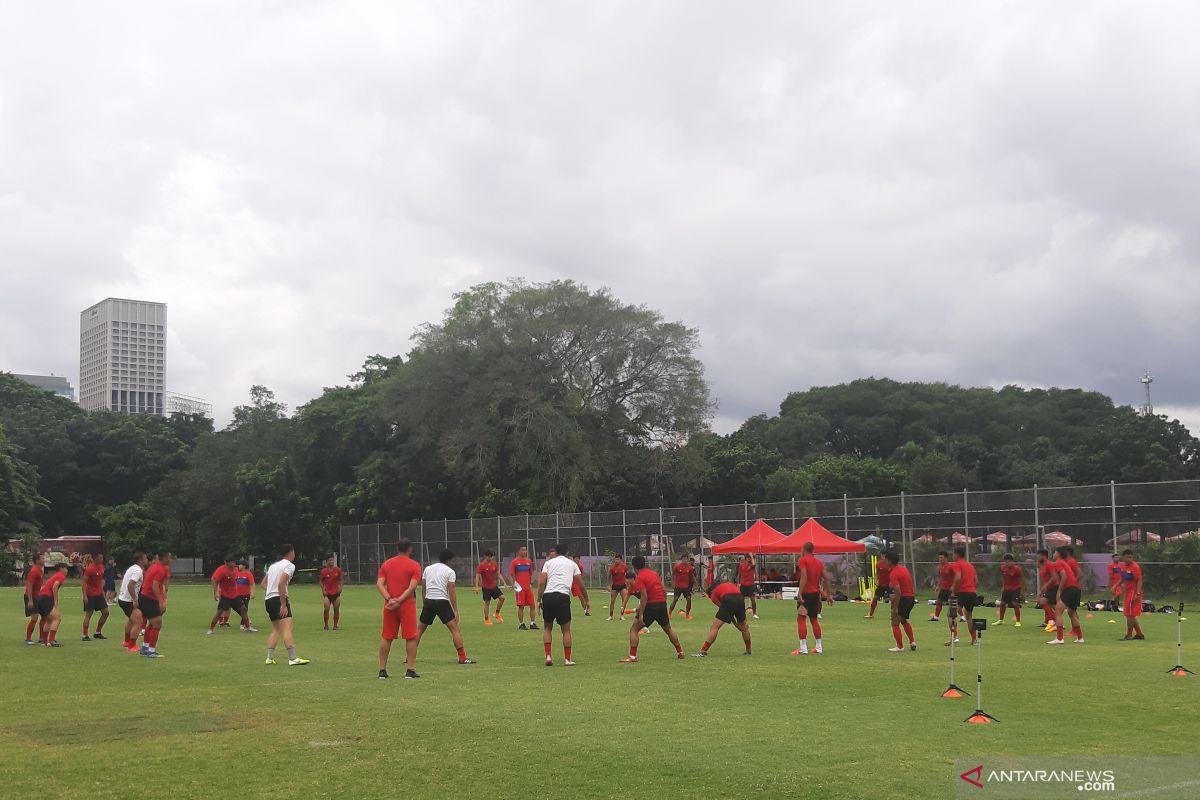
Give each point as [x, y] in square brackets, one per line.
[19, 498]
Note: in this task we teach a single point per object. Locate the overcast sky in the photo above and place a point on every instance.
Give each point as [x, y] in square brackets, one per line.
[982, 194]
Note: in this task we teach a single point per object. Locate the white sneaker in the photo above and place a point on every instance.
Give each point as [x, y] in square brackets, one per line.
[755, 616]
[1079, 640]
[210, 632]
[250, 629]
[818, 651]
[1056, 641]
[895, 649]
[568, 663]
[608, 618]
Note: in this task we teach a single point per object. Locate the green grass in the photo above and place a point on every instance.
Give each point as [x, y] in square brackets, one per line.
[211, 720]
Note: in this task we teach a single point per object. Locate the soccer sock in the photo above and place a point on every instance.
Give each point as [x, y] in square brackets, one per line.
[1002, 612]
[679, 648]
[152, 637]
[567, 653]
[874, 602]
[1058, 632]
[896, 635]
[704, 647]
[633, 651]
[547, 646]
[462, 653]
[29, 629]
[42, 629]
[292, 653]
[85, 633]
[1017, 613]
[816, 629]
[802, 627]
[53, 635]
[909, 631]
[270, 652]
[973, 634]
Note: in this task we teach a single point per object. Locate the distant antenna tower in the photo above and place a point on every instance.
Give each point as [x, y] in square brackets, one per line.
[1147, 379]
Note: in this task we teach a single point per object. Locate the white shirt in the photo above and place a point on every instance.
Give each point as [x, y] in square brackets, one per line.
[135, 573]
[560, 573]
[438, 578]
[275, 572]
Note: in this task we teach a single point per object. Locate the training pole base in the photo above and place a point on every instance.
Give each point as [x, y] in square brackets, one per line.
[980, 717]
[1180, 671]
[954, 691]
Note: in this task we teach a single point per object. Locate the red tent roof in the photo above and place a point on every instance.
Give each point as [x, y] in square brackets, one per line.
[823, 539]
[755, 540]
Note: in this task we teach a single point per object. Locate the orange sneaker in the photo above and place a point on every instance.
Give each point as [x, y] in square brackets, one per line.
[487, 622]
[687, 616]
[799, 652]
[628, 660]
[498, 617]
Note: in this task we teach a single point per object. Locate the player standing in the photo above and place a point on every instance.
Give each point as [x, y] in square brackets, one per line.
[810, 572]
[331, 579]
[489, 580]
[110, 580]
[559, 576]
[520, 574]
[127, 600]
[651, 609]
[441, 602]
[279, 607]
[683, 576]
[33, 586]
[883, 584]
[225, 595]
[1068, 597]
[93, 597]
[904, 599]
[1114, 581]
[746, 582]
[1012, 588]
[730, 608]
[945, 573]
[47, 603]
[1049, 576]
[618, 584]
[397, 582]
[152, 600]
[245, 589]
[1131, 582]
[964, 592]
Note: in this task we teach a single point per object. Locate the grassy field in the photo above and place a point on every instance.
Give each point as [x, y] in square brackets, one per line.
[211, 720]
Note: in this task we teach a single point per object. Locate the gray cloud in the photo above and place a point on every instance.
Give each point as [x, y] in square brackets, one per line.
[979, 195]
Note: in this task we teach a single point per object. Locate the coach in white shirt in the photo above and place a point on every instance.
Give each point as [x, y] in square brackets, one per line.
[279, 608]
[441, 602]
[559, 576]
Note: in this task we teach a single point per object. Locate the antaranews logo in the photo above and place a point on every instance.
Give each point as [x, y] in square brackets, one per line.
[1037, 777]
[977, 780]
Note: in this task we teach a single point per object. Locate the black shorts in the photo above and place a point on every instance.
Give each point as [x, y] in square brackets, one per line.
[1051, 596]
[967, 601]
[126, 606]
[333, 597]
[943, 595]
[492, 594]
[1070, 597]
[683, 592]
[748, 591]
[95, 603]
[437, 609]
[238, 604]
[882, 592]
[110, 586]
[907, 604]
[149, 607]
[656, 612]
[621, 588]
[276, 610]
[556, 607]
[45, 605]
[811, 602]
[30, 608]
[732, 609]
[1011, 597]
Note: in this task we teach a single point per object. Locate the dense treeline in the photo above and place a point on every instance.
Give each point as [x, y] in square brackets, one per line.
[531, 398]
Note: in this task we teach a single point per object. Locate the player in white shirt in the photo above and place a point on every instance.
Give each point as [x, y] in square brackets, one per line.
[131, 586]
[558, 577]
[441, 602]
[279, 608]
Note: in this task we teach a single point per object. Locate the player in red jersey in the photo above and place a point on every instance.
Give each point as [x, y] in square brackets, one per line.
[1048, 577]
[1012, 589]
[93, 596]
[963, 589]
[153, 601]
[730, 608]
[904, 599]
[945, 573]
[226, 595]
[683, 575]
[1114, 583]
[245, 588]
[883, 584]
[652, 609]
[397, 583]
[811, 574]
[520, 575]
[618, 586]
[33, 586]
[747, 580]
[48, 605]
[331, 579]
[1068, 597]
[1131, 584]
[577, 589]
[489, 579]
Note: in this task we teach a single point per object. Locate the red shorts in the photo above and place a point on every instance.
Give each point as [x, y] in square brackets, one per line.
[525, 598]
[402, 621]
[1133, 608]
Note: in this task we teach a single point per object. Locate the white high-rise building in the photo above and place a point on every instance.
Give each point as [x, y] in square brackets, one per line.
[123, 357]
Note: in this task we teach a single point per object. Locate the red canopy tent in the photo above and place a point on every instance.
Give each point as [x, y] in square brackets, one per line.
[757, 538]
[823, 539]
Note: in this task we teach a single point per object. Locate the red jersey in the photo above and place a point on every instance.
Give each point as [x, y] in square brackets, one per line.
[488, 572]
[1067, 579]
[682, 575]
[226, 580]
[617, 574]
[902, 581]
[647, 581]
[723, 590]
[746, 573]
[1130, 575]
[1074, 565]
[157, 572]
[521, 571]
[57, 579]
[244, 582]
[883, 573]
[93, 579]
[813, 570]
[945, 575]
[398, 573]
[966, 583]
[1048, 574]
[331, 580]
[1114, 575]
[1012, 576]
[34, 580]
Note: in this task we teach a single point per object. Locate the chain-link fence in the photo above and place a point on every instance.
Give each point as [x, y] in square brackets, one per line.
[1097, 520]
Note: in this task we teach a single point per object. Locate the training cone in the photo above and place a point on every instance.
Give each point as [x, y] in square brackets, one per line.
[980, 718]
[953, 691]
[1181, 672]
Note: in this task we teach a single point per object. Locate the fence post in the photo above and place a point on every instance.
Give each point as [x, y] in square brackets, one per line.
[499, 551]
[845, 515]
[446, 531]
[1112, 490]
[903, 540]
[702, 520]
[746, 512]
[528, 538]
[793, 513]
[591, 542]
[1037, 535]
[624, 546]
[471, 540]
[661, 543]
[966, 523]
[557, 527]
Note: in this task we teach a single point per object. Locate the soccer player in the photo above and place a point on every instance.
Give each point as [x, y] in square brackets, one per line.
[811, 574]
[47, 603]
[441, 602]
[683, 575]
[651, 609]
[945, 572]
[152, 600]
[555, 583]
[33, 586]
[1114, 581]
[577, 589]
[397, 582]
[110, 580]
[225, 595]
[93, 597]
[1048, 576]
[883, 584]
[1131, 583]
[520, 574]
[245, 587]
[127, 600]
[618, 585]
[489, 580]
[746, 582]
[1013, 587]
[331, 579]
[964, 592]
[1068, 597]
[904, 599]
[730, 608]
[279, 607]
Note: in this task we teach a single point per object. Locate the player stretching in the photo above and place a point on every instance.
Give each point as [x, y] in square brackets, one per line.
[331, 578]
[127, 600]
[618, 586]
[652, 609]
[746, 582]
[883, 584]
[558, 577]
[279, 607]
[811, 574]
[964, 592]
[730, 608]
[520, 574]
[683, 575]
[152, 600]
[903, 601]
[225, 595]
[33, 586]
[397, 582]
[93, 597]
[1131, 583]
[945, 572]
[1068, 597]
[441, 602]
[489, 579]
[1013, 588]
[48, 606]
